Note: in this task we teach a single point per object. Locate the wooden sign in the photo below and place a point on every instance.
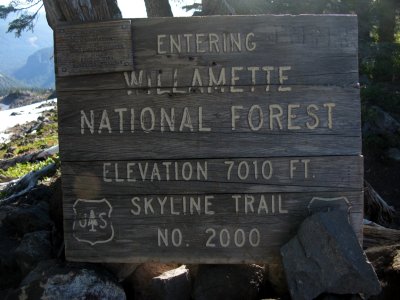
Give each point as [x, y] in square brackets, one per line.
[205, 140]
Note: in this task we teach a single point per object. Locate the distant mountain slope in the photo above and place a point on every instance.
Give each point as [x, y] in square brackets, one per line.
[7, 84]
[38, 70]
[15, 51]
[22, 98]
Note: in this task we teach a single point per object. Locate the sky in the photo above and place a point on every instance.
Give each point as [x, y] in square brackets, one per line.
[18, 51]
[137, 9]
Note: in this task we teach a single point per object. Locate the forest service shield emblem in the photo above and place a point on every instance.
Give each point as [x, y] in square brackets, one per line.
[92, 221]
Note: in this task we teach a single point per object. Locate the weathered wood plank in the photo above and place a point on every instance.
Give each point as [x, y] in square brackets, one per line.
[339, 74]
[312, 43]
[323, 121]
[305, 109]
[93, 48]
[255, 175]
[135, 238]
[268, 31]
[191, 146]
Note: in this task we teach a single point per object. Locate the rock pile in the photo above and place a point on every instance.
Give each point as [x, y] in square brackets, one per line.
[323, 260]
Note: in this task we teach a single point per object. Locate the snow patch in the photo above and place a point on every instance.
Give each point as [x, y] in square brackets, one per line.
[20, 115]
[3, 106]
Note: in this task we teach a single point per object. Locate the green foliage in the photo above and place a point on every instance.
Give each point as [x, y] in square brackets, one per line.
[44, 138]
[368, 115]
[25, 21]
[384, 95]
[380, 62]
[40, 143]
[21, 169]
[311, 6]
[6, 10]
[374, 144]
[387, 97]
[380, 55]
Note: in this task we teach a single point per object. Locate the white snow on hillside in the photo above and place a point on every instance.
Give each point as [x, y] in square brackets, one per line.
[23, 115]
[3, 106]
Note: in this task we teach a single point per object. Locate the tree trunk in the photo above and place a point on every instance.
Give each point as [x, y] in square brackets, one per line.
[376, 208]
[158, 8]
[379, 236]
[387, 20]
[233, 7]
[383, 70]
[59, 11]
[362, 8]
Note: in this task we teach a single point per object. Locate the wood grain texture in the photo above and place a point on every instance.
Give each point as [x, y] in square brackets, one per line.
[178, 146]
[273, 138]
[313, 43]
[93, 48]
[62, 11]
[214, 143]
[135, 237]
[306, 106]
[255, 175]
[318, 49]
[376, 235]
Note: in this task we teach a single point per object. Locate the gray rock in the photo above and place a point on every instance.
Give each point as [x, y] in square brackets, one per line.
[228, 282]
[10, 275]
[4, 211]
[39, 195]
[339, 297]
[29, 218]
[381, 122]
[56, 205]
[394, 154]
[172, 285]
[325, 257]
[54, 281]
[121, 271]
[4, 293]
[34, 247]
[275, 275]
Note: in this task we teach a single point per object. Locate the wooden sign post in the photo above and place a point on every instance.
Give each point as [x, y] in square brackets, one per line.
[205, 140]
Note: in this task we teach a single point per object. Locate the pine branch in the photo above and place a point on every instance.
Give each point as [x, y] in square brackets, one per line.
[6, 10]
[17, 3]
[194, 6]
[24, 22]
